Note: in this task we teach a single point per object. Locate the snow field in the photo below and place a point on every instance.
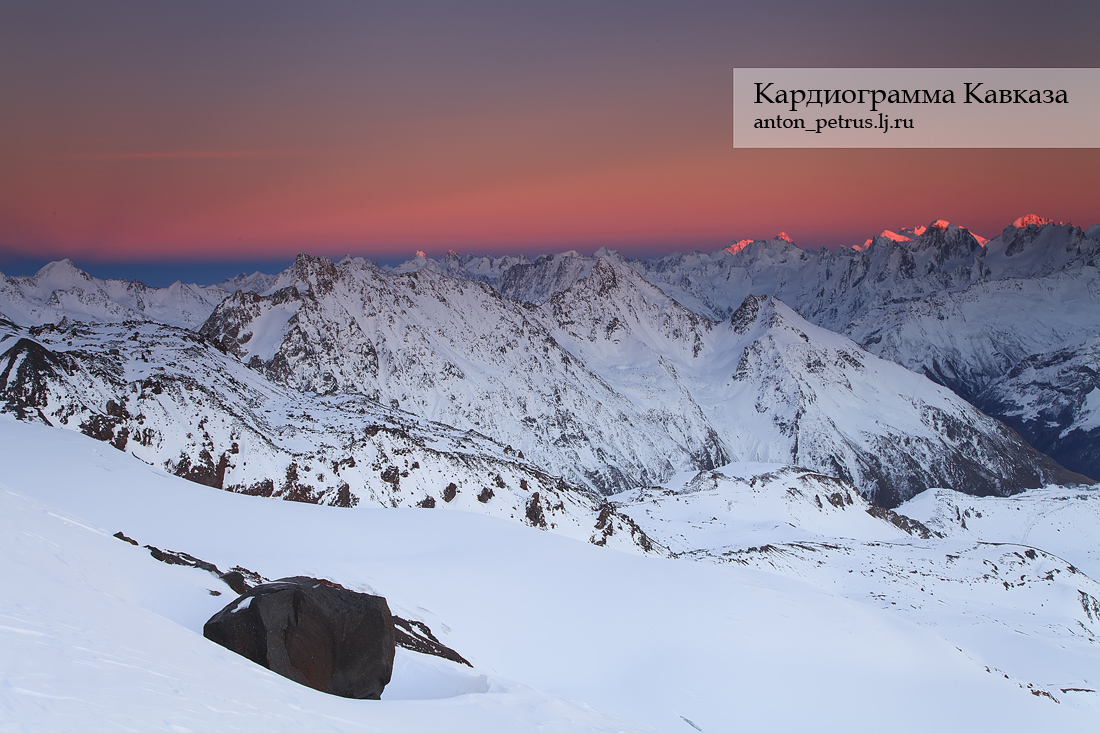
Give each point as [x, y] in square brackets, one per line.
[561, 634]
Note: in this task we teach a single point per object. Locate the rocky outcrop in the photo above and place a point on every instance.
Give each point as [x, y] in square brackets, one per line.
[314, 632]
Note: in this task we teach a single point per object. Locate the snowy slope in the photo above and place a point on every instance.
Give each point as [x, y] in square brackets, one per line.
[1029, 615]
[563, 636]
[751, 504]
[168, 398]
[96, 635]
[1061, 520]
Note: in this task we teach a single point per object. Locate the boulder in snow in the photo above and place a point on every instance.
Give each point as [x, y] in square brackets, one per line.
[314, 632]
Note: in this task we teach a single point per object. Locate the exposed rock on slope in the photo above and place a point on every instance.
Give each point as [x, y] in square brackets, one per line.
[169, 398]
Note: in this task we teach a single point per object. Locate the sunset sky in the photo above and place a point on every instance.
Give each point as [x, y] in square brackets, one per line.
[153, 134]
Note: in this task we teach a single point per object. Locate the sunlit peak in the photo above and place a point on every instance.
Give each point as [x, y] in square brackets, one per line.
[1031, 220]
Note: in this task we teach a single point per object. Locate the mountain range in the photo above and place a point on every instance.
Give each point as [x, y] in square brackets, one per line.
[613, 374]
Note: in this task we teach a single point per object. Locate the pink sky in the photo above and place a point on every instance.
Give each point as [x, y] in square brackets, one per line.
[200, 132]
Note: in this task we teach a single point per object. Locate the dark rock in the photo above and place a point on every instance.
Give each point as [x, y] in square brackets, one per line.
[904, 523]
[236, 582]
[344, 497]
[27, 372]
[417, 637]
[172, 557]
[251, 577]
[535, 516]
[314, 632]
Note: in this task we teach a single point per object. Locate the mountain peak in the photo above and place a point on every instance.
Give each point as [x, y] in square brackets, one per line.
[61, 269]
[894, 236]
[781, 242]
[738, 246]
[1031, 220]
[753, 308]
[318, 273]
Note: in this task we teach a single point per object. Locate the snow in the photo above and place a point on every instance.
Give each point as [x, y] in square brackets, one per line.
[1063, 521]
[894, 236]
[61, 290]
[774, 598]
[1089, 416]
[1031, 220]
[563, 636]
[267, 332]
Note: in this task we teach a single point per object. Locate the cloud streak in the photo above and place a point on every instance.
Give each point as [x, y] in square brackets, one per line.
[177, 155]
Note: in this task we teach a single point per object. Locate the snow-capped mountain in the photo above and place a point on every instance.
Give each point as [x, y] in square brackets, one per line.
[456, 352]
[257, 282]
[1033, 289]
[165, 396]
[613, 384]
[1053, 400]
[603, 370]
[61, 290]
[799, 394]
[936, 299]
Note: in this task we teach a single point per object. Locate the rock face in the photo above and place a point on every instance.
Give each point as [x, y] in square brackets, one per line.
[314, 632]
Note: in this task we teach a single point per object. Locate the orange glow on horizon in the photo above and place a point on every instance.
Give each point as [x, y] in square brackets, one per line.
[214, 204]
